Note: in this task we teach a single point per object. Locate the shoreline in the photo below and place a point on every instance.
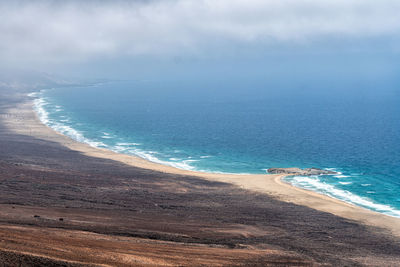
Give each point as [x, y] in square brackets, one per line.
[199, 173]
[73, 134]
[262, 183]
[60, 196]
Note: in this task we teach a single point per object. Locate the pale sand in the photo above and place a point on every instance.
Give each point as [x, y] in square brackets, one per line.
[23, 120]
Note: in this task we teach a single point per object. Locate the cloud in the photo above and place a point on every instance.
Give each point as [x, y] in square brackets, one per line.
[81, 30]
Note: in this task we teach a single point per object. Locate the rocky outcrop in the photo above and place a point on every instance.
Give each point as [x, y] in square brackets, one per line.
[298, 171]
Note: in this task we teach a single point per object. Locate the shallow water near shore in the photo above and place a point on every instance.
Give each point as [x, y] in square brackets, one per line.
[196, 127]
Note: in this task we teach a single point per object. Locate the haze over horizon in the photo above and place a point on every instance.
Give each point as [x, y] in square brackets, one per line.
[145, 38]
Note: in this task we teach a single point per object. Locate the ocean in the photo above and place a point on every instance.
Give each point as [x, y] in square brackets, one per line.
[246, 127]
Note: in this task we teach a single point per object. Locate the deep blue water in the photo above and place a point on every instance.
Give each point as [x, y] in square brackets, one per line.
[243, 127]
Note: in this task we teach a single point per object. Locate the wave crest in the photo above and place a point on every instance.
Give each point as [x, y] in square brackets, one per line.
[314, 184]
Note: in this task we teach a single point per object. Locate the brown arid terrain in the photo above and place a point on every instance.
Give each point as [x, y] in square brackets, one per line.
[60, 206]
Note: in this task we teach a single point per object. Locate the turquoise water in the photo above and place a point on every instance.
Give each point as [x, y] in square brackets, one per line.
[240, 127]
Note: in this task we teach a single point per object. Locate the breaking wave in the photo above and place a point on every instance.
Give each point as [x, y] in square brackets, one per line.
[41, 104]
[314, 183]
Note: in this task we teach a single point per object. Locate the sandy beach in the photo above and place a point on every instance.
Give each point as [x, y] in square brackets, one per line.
[51, 183]
[269, 184]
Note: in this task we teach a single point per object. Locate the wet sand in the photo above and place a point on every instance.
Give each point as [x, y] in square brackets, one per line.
[52, 183]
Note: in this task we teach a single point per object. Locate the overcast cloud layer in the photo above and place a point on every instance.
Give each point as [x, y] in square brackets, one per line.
[60, 31]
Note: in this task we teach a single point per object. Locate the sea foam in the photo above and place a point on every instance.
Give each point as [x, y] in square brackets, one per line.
[341, 176]
[121, 147]
[43, 115]
[314, 183]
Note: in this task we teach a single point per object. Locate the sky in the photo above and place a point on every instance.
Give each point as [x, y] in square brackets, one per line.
[105, 36]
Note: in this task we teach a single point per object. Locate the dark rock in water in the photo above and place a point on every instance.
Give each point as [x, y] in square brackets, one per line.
[285, 171]
[316, 171]
[298, 171]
